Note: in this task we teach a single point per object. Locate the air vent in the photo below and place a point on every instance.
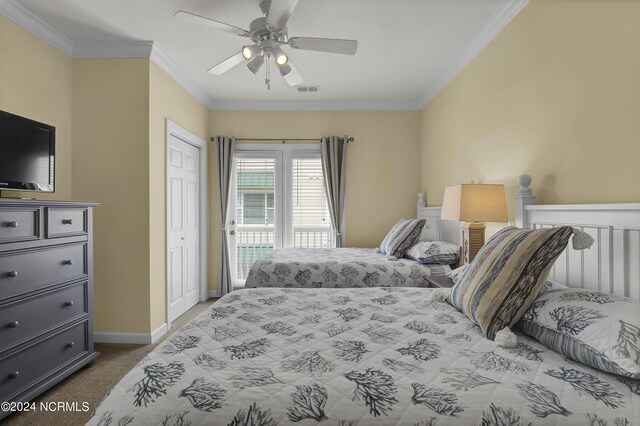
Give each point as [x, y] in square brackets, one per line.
[308, 89]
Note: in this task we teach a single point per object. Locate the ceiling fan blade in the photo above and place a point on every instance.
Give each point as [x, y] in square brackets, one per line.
[293, 77]
[331, 45]
[201, 20]
[279, 13]
[227, 64]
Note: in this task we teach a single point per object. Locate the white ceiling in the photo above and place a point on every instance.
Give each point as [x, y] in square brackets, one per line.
[405, 46]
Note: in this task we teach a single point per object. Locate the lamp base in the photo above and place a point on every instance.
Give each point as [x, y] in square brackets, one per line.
[472, 240]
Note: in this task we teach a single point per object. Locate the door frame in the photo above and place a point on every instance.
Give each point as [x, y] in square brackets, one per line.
[298, 150]
[174, 129]
[289, 151]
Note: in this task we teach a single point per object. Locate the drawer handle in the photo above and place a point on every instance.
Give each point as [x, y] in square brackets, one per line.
[67, 221]
[12, 224]
[14, 374]
[12, 274]
[67, 262]
[71, 344]
[14, 324]
[68, 303]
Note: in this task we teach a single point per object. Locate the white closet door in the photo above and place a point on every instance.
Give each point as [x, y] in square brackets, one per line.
[184, 226]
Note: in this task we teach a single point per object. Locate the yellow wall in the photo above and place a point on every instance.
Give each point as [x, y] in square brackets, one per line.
[556, 95]
[167, 99]
[35, 82]
[111, 165]
[382, 166]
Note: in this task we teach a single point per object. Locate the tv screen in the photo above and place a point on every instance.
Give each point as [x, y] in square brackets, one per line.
[27, 154]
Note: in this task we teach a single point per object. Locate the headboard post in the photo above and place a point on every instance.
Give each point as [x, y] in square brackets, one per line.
[524, 198]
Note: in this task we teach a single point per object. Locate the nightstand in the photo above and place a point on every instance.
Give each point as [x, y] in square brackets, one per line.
[440, 281]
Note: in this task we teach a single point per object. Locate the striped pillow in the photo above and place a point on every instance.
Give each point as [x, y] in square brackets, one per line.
[506, 276]
[401, 237]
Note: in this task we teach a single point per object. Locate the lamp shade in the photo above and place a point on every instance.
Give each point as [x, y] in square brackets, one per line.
[475, 203]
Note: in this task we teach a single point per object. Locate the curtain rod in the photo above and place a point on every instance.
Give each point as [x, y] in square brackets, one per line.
[351, 139]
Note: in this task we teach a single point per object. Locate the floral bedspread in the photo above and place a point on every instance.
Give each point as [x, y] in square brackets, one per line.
[338, 268]
[366, 356]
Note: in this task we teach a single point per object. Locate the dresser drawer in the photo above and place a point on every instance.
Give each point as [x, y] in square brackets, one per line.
[25, 271]
[24, 368]
[19, 225]
[26, 319]
[65, 222]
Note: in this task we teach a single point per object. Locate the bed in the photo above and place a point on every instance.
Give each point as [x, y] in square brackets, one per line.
[387, 355]
[338, 268]
[357, 356]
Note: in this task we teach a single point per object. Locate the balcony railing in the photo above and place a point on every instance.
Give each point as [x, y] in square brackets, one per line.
[254, 241]
[307, 237]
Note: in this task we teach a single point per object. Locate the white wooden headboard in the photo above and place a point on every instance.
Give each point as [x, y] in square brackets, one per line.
[611, 265]
[436, 229]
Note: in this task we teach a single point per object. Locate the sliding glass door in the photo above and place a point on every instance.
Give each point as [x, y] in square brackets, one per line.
[278, 200]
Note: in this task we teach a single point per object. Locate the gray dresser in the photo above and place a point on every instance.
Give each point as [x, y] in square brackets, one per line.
[46, 297]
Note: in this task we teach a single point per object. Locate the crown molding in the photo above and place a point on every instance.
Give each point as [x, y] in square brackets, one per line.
[112, 49]
[102, 49]
[313, 105]
[498, 21]
[35, 25]
[181, 77]
[147, 49]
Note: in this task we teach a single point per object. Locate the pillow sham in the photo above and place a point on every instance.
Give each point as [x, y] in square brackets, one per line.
[436, 270]
[506, 276]
[553, 285]
[402, 236]
[597, 329]
[457, 273]
[434, 252]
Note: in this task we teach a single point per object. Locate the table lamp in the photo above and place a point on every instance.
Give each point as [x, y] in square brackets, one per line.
[474, 203]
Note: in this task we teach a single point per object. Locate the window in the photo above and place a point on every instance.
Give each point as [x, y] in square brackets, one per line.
[310, 213]
[280, 201]
[256, 208]
[254, 222]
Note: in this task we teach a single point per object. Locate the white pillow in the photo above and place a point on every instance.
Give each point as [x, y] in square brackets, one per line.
[434, 252]
[456, 274]
[597, 329]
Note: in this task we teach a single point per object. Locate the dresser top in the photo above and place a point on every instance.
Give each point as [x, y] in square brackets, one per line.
[18, 202]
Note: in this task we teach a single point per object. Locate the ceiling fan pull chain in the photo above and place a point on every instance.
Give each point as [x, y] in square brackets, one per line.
[268, 79]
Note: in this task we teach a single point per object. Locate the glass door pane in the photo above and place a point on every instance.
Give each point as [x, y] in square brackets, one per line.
[253, 229]
[311, 223]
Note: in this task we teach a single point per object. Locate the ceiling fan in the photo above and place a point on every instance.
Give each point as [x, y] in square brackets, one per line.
[267, 35]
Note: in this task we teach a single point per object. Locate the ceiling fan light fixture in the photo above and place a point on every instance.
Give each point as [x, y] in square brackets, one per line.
[280, 57]
[255, 64]
[251, 51]
[284, 70]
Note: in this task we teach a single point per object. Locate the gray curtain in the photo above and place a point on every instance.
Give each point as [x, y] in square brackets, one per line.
[334, 157]
[224, 149]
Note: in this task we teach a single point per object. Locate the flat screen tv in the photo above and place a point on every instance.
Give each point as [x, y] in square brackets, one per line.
[27, 154]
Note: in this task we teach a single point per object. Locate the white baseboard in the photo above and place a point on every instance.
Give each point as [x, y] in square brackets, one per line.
[160, 331]
[130, 338]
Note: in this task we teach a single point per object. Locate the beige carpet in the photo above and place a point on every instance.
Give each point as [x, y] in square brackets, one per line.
[94, 383]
